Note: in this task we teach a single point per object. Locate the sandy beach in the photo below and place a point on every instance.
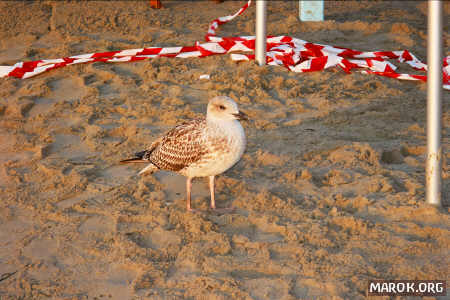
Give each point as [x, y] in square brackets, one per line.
[329, 194]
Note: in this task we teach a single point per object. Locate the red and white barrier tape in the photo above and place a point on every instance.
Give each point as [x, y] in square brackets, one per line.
[295, 54]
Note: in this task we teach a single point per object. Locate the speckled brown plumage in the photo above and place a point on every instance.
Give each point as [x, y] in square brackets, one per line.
[178, 148]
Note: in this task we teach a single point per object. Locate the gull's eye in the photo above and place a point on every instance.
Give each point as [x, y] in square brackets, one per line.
[221, 107]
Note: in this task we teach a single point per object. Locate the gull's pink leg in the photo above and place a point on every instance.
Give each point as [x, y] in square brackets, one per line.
[211, 190]
[213, 201]
[188, 194]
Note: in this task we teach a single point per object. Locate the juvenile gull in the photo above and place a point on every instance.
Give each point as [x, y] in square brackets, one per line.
[199, 148]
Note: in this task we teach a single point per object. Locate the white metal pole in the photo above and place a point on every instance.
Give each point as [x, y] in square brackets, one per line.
[434, 103]
[260, 43]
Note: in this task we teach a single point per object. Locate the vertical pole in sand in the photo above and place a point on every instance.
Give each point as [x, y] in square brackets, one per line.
[434, 103]
[261, 37]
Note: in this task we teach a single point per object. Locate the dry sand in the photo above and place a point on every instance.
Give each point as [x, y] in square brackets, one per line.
[329, 193]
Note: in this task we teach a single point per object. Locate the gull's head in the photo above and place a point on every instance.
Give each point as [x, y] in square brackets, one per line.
[225, 109]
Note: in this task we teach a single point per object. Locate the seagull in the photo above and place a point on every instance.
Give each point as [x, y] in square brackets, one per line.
[202, 147]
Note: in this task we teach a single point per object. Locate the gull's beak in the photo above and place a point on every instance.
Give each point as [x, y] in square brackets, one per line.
[241, 116]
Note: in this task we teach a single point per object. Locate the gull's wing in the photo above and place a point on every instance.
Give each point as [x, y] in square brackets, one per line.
[178, 148]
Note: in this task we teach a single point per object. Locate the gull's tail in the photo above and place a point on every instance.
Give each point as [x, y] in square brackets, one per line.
[133, 160]
[140, 159]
